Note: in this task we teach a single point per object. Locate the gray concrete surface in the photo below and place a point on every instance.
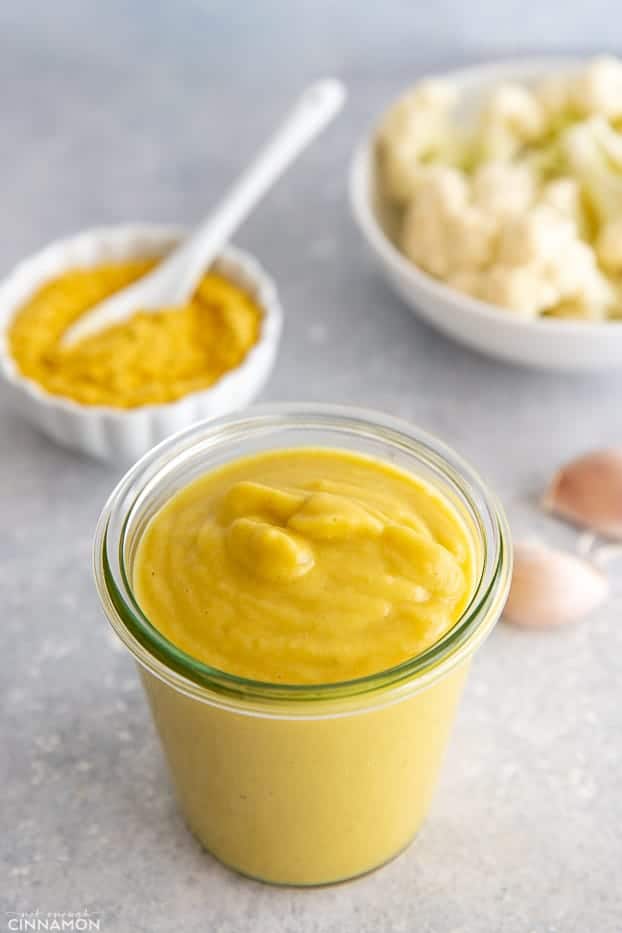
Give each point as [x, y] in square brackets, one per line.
[143, 111]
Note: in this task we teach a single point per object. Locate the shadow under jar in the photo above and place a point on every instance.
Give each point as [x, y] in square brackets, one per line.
[297, 784]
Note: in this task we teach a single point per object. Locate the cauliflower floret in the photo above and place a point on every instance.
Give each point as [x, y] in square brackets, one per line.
[515, 106]
[554, 264]
[502, 188]
[537, 236]
[446, 189]
[577, 277]
[442, 232]
[598, 88]
[564, 196]
[554, 96]
[609, 246]
[472, 236]
[512, 117]
[525, 289]
[441, 192]
[594, 154]
[578, 310]
[468, 281]
[415, 129]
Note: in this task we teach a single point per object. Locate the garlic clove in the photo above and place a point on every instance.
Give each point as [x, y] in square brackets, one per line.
[552, 587]
[588, 491]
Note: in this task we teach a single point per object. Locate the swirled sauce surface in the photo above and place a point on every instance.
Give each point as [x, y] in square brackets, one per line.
[150, 359]
[304, 566]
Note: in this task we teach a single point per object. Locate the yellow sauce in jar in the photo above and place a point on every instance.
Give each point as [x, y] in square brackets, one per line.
[305, 566]
[146, 360]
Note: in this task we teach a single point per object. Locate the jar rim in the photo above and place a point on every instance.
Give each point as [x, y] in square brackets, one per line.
[195, 678]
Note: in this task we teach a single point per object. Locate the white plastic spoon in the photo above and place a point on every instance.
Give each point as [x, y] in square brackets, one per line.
[174, 280]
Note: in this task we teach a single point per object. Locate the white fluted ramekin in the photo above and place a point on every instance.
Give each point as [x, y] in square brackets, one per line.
[123, 435]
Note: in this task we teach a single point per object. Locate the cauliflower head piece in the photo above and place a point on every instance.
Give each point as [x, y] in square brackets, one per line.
[597, 89]
[511, 118]
[593, 151]
[443, 232]
[416, 131]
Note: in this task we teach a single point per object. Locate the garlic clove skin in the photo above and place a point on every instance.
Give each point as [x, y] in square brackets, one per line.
[588, 491]
[552, 587]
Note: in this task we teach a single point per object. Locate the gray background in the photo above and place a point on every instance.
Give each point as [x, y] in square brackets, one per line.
[116, 111]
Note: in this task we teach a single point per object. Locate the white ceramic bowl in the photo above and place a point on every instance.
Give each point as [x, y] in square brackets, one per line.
[123, 435]
[548, 343]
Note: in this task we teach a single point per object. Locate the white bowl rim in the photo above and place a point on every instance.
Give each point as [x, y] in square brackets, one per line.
[361, 168]
[268, 302]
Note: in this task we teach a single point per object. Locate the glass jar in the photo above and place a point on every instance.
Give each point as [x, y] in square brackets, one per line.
[301, 784]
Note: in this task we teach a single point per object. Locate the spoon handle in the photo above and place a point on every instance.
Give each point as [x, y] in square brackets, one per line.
[313, 111]
[174, 280]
